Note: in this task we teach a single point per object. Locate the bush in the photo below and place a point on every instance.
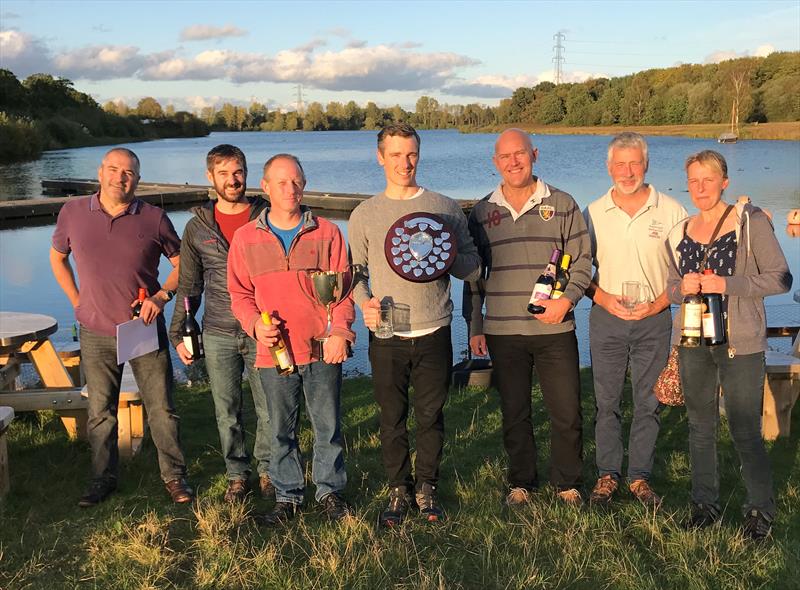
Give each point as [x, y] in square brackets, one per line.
[19, 139]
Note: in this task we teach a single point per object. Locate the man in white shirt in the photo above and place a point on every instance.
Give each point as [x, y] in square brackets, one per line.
[628, 227]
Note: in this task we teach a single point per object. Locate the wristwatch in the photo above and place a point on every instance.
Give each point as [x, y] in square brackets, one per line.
[170, 294]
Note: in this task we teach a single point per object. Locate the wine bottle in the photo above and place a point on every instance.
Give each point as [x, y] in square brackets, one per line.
[137, 309]
[280, 353]
[192, 336]
[562, 277]
[543, 287]
[691, 320]
[713, 324]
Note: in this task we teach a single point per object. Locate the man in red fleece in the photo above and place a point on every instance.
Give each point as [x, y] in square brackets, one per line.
[265, 258]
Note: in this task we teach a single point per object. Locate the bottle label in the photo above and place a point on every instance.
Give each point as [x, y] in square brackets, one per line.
[283, 358]
[540, 292]
[708, 326]
[187, 342]
[692, 320]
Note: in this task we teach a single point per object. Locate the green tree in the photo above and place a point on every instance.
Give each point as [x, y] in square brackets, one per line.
[149, 108]
[550, 109]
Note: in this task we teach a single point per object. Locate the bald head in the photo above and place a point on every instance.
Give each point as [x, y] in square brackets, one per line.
[514, 156]
[512, 135]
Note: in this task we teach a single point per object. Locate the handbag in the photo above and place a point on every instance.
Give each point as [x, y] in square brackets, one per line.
[667, 389]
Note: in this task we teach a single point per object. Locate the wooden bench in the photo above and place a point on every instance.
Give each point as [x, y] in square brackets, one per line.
[6, 417]
[781, 390]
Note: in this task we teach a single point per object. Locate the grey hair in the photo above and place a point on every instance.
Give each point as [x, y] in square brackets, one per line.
[127, 152]
[291, 157]
[629, 140]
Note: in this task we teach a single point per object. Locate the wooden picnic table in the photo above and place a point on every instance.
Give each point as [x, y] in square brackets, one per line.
[26, 336]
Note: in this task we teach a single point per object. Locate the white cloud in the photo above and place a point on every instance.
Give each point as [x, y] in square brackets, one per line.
[100, 62]
[352, 68]
[205, 32]
[23, 54]
[725, 55]
[504, 86]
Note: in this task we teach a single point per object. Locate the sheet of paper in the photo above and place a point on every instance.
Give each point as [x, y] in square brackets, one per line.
[134, 339]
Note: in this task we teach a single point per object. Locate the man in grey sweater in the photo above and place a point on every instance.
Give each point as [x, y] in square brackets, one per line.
[420, 352]
[516, 228]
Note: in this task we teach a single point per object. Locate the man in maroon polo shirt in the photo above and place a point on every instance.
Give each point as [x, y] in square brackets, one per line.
[117, 241]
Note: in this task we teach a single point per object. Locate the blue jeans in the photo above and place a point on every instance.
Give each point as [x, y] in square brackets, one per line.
[614, 343]
[742, 380]
[153, 373]
[321, 384]
[227, 356]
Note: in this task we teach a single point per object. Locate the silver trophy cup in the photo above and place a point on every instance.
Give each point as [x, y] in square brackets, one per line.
[327, 288]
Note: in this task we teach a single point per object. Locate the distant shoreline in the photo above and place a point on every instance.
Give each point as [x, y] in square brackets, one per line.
[781, 131]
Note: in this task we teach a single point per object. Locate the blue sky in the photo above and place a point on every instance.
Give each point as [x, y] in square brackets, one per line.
[193, 54]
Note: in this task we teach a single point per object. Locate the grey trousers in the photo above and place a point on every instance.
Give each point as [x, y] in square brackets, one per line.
[615, 343]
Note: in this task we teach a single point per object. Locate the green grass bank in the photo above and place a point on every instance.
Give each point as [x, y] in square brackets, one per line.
[139, 540]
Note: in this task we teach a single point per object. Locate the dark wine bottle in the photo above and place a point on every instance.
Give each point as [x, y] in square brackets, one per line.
[284, 364]
[192, 336]
[713, 324]
[691, 320]
[562, 277]
[543, 287]
[137, 309]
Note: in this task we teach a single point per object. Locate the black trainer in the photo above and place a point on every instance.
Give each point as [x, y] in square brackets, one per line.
[703, 516]
[428, 503]
[282, 513]
[335, 507]
[396, 511]
[757, 527]
[98, 490]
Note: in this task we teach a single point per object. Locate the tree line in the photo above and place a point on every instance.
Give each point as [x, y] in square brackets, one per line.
[754, 89]
[43, 112]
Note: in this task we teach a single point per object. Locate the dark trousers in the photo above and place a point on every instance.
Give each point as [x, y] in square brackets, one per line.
[153, 373]
[615, 343]
[556, 360]
[425, 364]
[742, 380]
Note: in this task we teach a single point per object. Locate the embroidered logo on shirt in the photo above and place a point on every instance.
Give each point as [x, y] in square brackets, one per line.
[546, 212]
[655, 229]
[494, 218]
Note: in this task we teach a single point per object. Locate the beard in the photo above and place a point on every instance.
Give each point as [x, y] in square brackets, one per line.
[629, 190]
[223, 192]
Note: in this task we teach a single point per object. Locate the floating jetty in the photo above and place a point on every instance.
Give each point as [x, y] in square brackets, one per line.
[23, 212]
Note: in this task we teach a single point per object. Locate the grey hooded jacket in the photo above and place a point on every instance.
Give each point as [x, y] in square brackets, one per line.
[761, 270]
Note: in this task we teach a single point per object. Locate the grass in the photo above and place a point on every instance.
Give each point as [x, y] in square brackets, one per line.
[139, 540]
[783, 130]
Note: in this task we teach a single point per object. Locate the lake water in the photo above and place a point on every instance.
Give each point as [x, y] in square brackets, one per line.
[455, 164]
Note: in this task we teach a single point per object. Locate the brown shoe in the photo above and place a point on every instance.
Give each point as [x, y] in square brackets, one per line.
[179, 491]
[571, 497]
[645, 494]
[517, 497]
[265, 487]
[604, 490]
[237, 491]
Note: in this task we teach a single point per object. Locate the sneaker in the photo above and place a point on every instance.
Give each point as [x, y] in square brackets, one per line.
[428, 503]
[236, 492]
[571, 497]
[604, 490]
[179, 491]
[757, 527]
[98, 490]
[517, 497]
[396, 511]
[265, 487]
[335, 507]
[282, 513]
[703, 516]
[644, 493]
